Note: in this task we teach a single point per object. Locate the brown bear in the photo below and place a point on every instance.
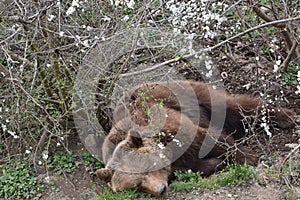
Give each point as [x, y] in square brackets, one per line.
[162, 127]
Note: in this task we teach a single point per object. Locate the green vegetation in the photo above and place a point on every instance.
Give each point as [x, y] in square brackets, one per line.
[297, 119]
[62, 162]
[90, 162]
[294, 170]
[291, 74]
[17, 181]
[232, 175]
[291, 171]
[107, 194]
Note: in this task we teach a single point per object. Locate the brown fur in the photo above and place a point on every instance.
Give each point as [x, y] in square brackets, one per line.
[183, 110]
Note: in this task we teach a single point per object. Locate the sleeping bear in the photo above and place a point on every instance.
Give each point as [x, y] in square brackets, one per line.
[162, 127]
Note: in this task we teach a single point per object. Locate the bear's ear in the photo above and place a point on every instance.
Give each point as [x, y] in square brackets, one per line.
[134, 139]
[105, 174]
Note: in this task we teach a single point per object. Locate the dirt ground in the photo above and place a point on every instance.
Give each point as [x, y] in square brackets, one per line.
[80, 185]
[248, 192]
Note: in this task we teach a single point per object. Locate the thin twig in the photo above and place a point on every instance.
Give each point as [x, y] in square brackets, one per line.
[12, 35]
[21, 59]
[288, 156]
[18, 84]
[38, 150]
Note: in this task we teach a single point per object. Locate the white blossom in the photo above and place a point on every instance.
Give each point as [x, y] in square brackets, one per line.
[105, 18]
[47, 179]
[45, 156]
[276, 66]
[162, 155]
[161, 134]
[178, 143]
[86, 43]
[50, 17]
[61, 34]
[161, 145]
[13, 134]
[209, 74]
[89, 28]
[298, 86]
[70, 11]
[266, 128]
[130, 4]
[188, 15]
[298, 89]
[4, 128]
[75, 3]
[125, 18]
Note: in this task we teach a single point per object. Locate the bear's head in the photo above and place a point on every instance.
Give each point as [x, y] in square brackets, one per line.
[138, 162]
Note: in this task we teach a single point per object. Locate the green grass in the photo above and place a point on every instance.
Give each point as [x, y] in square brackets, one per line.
[188, 181]
[231, 176]
[107, 194]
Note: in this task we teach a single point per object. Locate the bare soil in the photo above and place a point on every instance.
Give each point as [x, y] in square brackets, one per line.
[80, 185]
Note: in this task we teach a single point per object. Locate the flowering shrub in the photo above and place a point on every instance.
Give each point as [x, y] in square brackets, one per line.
[190, 16]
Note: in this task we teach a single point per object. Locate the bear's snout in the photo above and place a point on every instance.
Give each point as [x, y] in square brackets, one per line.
[161, 190]
[155, 185]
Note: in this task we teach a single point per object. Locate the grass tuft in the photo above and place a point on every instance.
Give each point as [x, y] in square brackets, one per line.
[233, 175]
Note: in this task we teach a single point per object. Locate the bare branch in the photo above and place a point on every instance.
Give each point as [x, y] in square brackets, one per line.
[289, 56]
[288, 156]
[21, 59]
[285, 32]
[263, 15]
[12, 35]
